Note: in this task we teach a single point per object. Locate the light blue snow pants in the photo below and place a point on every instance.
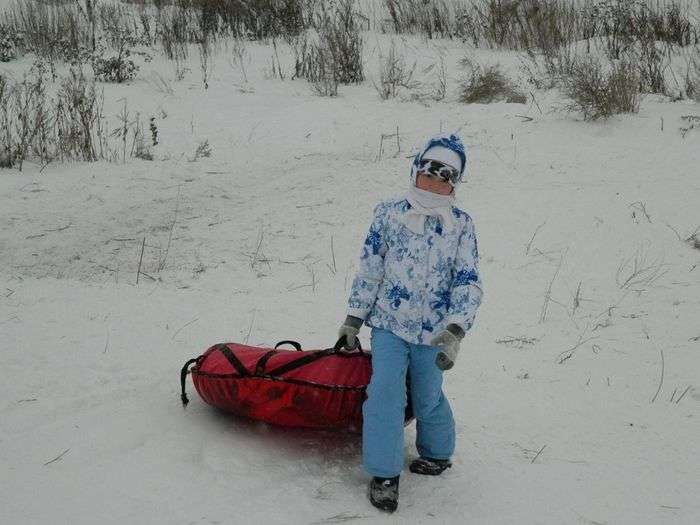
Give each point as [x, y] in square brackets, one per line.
[383, 410]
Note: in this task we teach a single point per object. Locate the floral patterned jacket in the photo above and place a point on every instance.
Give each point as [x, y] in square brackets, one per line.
[415, 285]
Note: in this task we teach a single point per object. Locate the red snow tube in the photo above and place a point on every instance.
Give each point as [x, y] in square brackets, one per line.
[313, 389]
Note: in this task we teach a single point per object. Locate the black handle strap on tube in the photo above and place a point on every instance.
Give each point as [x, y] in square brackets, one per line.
[286, 342]
[235, 362]
[260, 366]
[309, 357]
[183, 380]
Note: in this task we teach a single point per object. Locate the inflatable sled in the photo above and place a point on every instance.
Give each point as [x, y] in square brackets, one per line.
[313, 389]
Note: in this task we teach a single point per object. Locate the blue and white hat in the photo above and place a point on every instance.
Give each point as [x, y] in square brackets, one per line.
[444, 148]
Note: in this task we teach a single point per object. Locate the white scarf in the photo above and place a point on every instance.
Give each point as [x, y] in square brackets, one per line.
[424, 203]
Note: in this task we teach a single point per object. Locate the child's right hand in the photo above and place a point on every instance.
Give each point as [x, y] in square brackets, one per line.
[350, 329]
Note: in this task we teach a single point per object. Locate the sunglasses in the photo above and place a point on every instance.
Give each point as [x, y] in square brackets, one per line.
[434, 168]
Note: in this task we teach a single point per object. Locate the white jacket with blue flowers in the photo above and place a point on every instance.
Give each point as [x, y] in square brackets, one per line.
[416, 284]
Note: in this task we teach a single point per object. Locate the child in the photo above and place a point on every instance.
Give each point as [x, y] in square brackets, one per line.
[418, 288]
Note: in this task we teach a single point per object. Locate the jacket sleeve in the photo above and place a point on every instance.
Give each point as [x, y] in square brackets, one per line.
[371, 269]
[466, 292]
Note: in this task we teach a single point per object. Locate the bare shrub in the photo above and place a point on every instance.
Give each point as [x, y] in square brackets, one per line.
[119, 65]
[117, 68]
[331, 54]
[488, 84]
[393, 74]
[652, 63]
[436, 87]
[549, 67]
[70, 125]
[79, 120]
[615, 21]
[314, 62]
[600, 93]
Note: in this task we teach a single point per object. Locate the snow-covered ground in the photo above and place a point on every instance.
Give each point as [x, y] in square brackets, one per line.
[565, 423]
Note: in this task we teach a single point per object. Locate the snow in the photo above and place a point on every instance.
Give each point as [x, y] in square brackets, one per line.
[239, 245]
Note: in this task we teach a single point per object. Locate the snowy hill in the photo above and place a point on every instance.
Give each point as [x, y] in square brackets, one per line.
[576, 395]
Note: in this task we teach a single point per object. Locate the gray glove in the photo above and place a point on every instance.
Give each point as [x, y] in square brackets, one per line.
[350, 329]
[448, 342]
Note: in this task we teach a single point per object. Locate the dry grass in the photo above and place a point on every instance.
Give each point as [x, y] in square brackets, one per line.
[598, 92]
[485, 85]
[331, 52]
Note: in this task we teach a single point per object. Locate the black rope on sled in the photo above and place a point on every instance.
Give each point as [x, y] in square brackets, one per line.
[183, 379]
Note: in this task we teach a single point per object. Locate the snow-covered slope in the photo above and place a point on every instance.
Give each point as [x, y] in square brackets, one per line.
[559, 412]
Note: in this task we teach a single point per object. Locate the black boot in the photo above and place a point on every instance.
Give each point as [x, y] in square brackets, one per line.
[429, 466]
[384, 493]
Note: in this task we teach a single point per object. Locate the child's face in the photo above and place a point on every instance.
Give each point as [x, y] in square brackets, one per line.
[433, 184]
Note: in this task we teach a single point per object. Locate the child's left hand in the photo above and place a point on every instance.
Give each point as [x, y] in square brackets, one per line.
[448, 342]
